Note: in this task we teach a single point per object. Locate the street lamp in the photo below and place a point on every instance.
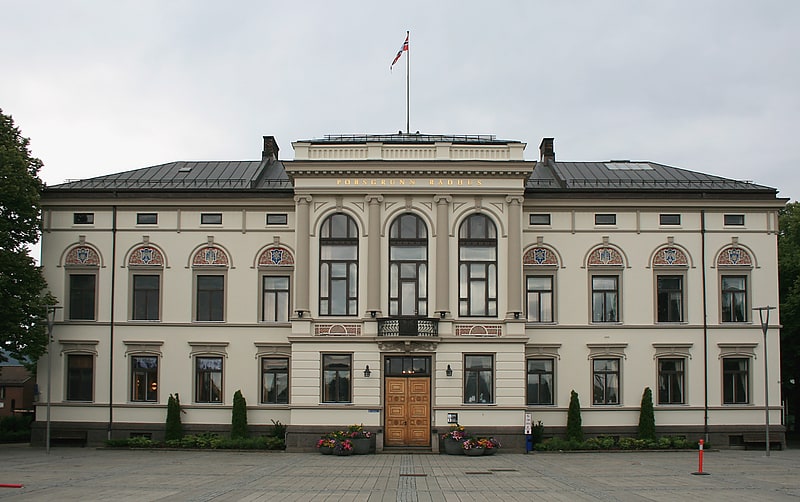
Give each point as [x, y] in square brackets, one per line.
[51, 318]
[763, 315]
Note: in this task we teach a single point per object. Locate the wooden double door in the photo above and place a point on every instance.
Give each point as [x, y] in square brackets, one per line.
[408, 411]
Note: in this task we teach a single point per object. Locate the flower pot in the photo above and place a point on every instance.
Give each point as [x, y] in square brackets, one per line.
[361, 446]
[490, 451]
[476, 451]
[453, 447]
[326, 451]
[343, 453]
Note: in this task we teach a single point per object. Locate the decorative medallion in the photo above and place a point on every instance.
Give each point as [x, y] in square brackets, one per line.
[735, 256]
[670, 256]
[83, 256]
[539, 256]
[210, 256]
[276, 256]
[605, 256]
[146, 255]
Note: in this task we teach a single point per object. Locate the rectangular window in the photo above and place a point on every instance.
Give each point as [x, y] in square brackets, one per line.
[208, 380]
[210, 297]
[146, 297]
[80, 377]
[671, 379]
[669, 219]
[734, 298]
[540, 381]
[605, 298]
[274, 380]
[539, 291]
[277, 218]
[540, 219]
[669, 298]
[211, 218]
[478, 379]
[735, 380]
[275, 299]
[605, 219]
[605, 376]
[82, 297]
[336, 378]
[83, 218]
[146, 218]
[734, 219]
[144, 378]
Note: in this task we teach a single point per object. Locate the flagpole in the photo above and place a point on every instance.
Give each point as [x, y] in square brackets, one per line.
[408, 81]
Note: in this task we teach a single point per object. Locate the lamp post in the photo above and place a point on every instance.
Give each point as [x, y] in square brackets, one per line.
[763, 315]
[51, 318]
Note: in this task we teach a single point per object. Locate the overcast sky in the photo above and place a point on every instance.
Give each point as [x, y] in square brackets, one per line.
[106, 86]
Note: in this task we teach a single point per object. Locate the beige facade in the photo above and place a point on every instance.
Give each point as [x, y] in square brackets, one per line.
[599, 291]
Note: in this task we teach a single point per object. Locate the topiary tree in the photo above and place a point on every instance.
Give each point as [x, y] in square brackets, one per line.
[239, 417]
[574, 429]
[647, 418]
[174, 426]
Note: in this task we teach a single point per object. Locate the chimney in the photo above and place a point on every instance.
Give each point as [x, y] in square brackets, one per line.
[546, 151]
[270, 148]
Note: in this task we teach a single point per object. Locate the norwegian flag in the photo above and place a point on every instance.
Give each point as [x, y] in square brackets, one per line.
[400, 52]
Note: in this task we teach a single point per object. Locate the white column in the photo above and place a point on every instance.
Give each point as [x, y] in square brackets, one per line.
[442, 264]
[514, 284]
[374, 292]
[302, 255]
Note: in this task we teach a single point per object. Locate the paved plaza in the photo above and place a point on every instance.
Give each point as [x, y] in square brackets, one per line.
[140, 475]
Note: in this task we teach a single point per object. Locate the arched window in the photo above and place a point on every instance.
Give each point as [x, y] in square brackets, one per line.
[408, 267]
[338, 266]
[477, 267]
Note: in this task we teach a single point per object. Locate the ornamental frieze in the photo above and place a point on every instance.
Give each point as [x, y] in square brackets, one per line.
[276, 256]
[670, 256]
[146, 256]
[734, 256]
[539, 256]
[337, 330]
[210, 256]
[605, 256]
[82, 256]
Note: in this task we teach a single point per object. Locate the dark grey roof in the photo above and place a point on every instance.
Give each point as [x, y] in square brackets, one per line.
[401, 137]
[190, 176]
[622, 176]
[269, 174]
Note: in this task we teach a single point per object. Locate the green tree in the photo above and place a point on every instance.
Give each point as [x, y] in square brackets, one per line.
[239, 416]
[574, 428]
[647, 417]
[23, 305]
[174, 426]
[789, 293]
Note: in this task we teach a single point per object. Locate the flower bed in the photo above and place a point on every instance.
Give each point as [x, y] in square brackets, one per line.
[353, 441]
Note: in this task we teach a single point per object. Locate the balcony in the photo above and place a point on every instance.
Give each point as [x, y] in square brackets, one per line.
[408, 326]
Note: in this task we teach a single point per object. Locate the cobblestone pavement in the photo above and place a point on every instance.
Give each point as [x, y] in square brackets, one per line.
[138, 475]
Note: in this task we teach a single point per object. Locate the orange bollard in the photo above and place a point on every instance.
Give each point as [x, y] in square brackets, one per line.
[700, 460]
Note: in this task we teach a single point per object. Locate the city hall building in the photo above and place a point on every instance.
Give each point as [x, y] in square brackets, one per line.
[405, 282]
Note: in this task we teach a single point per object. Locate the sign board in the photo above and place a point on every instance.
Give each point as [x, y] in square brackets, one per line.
[528, 423]
[452, 418]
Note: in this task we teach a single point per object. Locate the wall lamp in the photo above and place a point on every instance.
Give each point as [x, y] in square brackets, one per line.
[448, 371]
[442, 314]
[299, 313]
[517, 314]
[367, 372]
[373, 313]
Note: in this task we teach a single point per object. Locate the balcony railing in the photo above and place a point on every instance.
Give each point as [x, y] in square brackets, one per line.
[402, 326]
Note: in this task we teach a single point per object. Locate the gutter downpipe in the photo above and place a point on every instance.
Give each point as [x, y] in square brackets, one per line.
[705, 323]
[111, 329]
